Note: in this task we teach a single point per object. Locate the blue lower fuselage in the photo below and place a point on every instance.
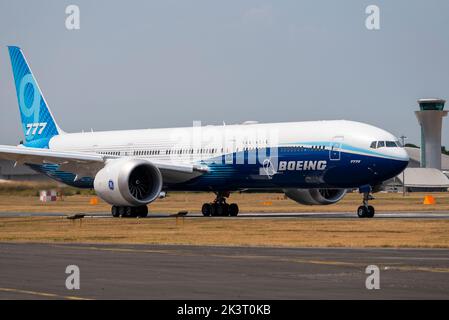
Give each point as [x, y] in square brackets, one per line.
[326, 170]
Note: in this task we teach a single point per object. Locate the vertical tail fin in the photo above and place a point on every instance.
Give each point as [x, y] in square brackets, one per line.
[38, 123]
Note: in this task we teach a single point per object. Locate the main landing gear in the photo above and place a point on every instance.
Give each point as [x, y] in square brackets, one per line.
[129, 212]
[365, 210]
[219, 207]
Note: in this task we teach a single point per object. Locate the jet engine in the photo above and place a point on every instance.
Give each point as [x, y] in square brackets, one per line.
[128, 182]
[315, 196]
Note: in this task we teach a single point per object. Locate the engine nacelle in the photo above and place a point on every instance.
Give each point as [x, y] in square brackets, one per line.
[315, 196]
[128, 182]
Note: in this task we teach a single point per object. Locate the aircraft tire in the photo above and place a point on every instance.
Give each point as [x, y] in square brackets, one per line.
[371, 212]
[121, 211]
[362, 212]
[142, 211]
[115, 212]
[206, 209]
[233, 210]
[219, 209]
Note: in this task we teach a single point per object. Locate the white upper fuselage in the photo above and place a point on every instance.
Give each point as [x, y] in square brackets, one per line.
[194, 143]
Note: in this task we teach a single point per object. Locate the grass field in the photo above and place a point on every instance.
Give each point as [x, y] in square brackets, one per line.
[225, 231]
[232, 232]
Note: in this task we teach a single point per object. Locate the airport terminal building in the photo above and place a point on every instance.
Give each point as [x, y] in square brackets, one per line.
[417, 178]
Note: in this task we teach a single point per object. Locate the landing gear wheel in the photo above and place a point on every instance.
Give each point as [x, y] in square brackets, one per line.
[213, 209]
[362, 212]
[233, 210]
[115, 212]
[219, 209]
[121, 211]
[206, 209]
[130, 212]
[371, 212]
[142, 211]
[365, 210]
[225, 209]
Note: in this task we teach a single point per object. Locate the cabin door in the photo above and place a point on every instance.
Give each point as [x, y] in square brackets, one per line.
[335, 148]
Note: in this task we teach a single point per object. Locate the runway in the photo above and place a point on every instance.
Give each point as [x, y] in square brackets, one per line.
[314, 215]
[37, 271]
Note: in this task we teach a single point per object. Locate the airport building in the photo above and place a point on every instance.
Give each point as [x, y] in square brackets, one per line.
[418, 178]
[430, 117]
[428, 168]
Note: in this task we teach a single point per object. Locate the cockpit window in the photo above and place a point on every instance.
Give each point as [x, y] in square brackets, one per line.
[382, 144]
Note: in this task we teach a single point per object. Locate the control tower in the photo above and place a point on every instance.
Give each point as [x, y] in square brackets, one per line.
[430, 117]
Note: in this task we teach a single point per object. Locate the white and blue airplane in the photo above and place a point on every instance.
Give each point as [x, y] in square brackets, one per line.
[313, 162]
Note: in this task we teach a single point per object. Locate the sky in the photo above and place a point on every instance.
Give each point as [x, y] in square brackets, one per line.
[152, 64]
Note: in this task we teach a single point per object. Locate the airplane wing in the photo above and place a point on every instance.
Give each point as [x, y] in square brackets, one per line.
[84, 164]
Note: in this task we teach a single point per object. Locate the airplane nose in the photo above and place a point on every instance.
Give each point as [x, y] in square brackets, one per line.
[398, 165]
[405, 155]
[403, 164]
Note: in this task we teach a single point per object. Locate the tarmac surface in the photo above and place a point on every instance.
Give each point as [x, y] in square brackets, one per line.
[37, 271]
[315, 215]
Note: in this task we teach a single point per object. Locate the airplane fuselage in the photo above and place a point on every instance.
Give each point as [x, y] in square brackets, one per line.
[312, 154]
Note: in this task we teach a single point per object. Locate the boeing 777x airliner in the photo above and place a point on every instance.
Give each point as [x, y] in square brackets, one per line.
[313, 162]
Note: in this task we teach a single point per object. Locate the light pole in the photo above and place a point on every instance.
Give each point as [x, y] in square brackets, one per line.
[403, 172]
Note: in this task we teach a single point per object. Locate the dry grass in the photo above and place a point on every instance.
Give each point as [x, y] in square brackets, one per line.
[231, 232]
[32, 188]
[222, 231]
[268, 202]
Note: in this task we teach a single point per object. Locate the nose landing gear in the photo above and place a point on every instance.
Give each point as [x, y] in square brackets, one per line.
[219, 207]
[365, 210]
